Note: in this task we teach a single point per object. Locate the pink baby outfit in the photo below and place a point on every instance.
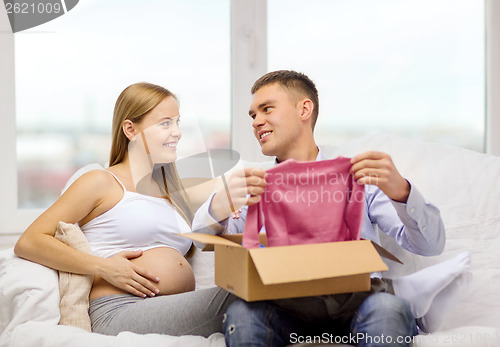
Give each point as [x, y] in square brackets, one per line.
[307, 202]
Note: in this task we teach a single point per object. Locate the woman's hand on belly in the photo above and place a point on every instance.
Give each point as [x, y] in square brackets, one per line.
[174, 273]
[122, 272]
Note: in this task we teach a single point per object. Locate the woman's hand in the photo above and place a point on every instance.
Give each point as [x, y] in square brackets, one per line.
[377, 168]
[122, 273]
[242, 187]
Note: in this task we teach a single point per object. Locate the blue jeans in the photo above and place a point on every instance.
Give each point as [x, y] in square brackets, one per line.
[381, 319]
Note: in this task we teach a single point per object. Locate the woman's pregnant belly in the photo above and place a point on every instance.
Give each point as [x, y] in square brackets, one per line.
[175, 273]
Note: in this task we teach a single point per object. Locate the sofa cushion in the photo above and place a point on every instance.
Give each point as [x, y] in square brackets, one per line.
[74, 288]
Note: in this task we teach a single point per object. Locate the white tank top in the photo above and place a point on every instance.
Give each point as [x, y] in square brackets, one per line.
[136, 222]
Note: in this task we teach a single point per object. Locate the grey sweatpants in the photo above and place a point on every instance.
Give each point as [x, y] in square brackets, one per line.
[198, 312]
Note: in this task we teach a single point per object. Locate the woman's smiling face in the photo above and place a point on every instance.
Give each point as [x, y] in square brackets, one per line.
[160, 132]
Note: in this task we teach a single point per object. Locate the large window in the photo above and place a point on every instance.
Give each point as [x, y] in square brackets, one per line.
[413, 68]
[410, 67]
[70, 71]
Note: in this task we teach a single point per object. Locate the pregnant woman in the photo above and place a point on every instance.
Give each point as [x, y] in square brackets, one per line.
[142, 280]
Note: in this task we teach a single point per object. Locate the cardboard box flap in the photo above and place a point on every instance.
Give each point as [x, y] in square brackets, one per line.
[209, 239]
[238, 238]
[385, 253]
[277, 265]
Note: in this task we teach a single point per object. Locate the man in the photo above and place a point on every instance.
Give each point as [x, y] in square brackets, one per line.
[284, 110]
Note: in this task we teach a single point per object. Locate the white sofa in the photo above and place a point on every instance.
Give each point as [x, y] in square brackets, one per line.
[465, 185]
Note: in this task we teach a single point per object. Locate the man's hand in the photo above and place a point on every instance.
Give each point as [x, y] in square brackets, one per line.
[239, 185]
[378, 169]
[123, 274]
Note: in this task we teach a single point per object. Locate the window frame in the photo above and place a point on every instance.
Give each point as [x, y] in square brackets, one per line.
[248, 62]
[492, 77]
[14, 220]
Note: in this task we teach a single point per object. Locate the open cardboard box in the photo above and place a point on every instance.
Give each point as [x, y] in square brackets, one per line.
[292, 271]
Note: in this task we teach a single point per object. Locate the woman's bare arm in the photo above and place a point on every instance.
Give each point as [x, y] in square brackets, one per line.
[199, 189]
[83, 198]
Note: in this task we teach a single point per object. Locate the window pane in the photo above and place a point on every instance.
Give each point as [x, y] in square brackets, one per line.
[410, 67]
[70, 71]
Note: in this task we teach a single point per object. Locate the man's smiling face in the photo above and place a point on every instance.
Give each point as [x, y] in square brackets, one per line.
[276, 121]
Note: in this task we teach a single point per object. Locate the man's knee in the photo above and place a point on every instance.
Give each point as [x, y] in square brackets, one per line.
[241, 313]
[235, 312]
[390, 304]
[246, 323]
[242, 310]
[384, 319]
[387, 307]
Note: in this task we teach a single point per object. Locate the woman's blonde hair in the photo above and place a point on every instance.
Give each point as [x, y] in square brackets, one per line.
[133, 104]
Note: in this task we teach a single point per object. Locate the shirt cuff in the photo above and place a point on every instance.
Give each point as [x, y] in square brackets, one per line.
[413, 208]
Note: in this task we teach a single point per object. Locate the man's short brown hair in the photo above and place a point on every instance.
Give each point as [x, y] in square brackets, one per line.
[297, 85]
